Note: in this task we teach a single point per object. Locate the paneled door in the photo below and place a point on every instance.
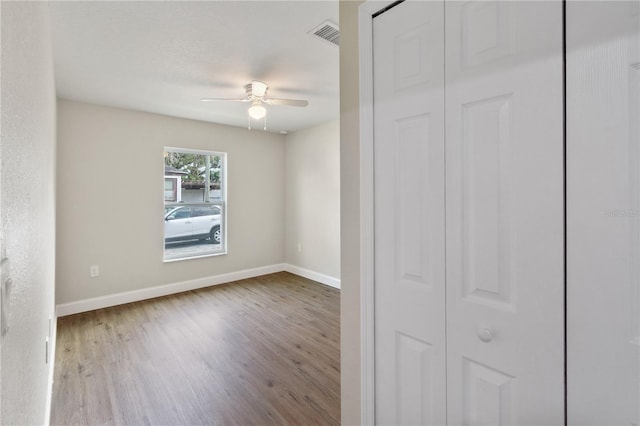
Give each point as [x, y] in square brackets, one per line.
[409, 214]
[468, 146]
[504, 212]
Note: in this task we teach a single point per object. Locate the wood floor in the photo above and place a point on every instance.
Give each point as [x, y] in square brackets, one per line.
[262, 351]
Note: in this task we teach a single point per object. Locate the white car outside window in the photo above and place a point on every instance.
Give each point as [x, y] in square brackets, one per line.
[192, 222]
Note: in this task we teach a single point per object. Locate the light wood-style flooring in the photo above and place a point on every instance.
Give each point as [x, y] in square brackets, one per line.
[262, 351]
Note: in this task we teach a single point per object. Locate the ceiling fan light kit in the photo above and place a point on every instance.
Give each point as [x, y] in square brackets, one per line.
[256, 110]
[257, 94]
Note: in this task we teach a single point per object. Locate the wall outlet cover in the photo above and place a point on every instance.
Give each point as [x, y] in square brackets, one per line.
[94, 271]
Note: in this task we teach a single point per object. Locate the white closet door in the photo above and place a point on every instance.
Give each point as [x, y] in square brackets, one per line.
[409, 214]
[504, 220]
[603, 193]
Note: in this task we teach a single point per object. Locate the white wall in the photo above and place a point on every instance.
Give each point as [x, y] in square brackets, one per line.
[603, 213]
[110, 174]
[312, 199]
[27, 213]
[350, 213]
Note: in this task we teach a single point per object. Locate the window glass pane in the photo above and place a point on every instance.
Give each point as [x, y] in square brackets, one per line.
[170, 189]
[194, 204]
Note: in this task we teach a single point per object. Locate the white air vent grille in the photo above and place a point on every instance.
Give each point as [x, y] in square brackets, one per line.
[327, 31]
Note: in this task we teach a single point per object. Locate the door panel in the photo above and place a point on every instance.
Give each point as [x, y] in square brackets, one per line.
[504, 212]
[487, 228]
[409, 218]
[488, 395]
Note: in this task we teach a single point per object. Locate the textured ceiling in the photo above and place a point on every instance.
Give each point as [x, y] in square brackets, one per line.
[162, 57]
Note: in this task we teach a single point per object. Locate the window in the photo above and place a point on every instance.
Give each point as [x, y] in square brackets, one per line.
[204, 211]
[170, 188]
[194, 203]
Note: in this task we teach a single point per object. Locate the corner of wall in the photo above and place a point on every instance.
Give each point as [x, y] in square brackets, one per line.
[27, 210]
[351, 365]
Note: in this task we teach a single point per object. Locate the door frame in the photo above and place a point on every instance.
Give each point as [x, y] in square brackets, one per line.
[367, 11]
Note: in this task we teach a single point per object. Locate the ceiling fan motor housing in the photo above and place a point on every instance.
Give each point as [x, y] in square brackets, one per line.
[256, 89]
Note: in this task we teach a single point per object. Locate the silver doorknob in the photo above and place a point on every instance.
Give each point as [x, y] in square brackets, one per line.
[485, 335]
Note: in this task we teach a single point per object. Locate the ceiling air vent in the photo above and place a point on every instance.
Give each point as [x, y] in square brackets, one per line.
[327, 31]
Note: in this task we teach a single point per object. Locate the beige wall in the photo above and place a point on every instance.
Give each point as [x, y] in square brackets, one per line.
[350, 212]
[110, 181]
[312, 199]
[27, 213]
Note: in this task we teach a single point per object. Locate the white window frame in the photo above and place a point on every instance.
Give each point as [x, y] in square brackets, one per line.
[222, 203]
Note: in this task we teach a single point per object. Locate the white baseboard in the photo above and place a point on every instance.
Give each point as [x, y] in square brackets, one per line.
[312, 275]
[163, 290]
[167, 289]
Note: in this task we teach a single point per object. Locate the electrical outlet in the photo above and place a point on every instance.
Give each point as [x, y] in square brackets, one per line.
[94, 271]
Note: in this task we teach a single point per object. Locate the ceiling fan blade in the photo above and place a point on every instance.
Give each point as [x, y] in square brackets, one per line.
[225, 99]
[287, 102]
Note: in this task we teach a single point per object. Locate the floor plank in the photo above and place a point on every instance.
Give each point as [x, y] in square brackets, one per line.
[261, 351]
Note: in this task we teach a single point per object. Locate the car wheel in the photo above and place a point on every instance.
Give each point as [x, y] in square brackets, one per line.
[215, 236]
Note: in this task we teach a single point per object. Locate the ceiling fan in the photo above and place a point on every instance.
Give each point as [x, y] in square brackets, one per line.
[257, 94]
